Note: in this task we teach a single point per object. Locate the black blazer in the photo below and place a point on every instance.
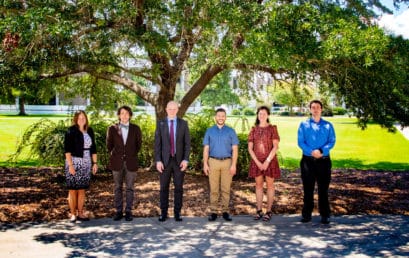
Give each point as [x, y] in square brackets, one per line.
[162, 141]
[120, 152]
[74, 141]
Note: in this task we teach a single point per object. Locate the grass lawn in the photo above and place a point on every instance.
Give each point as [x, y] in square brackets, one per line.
[373, 148]
[11, 130]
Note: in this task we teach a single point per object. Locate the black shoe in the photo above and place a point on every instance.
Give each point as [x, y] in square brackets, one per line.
[178, 217]
[162, 218]
[82, 218]
[212, 217]
[128, 216]
[226, 216]
[324, 220]
[118, 216]
[305, 219]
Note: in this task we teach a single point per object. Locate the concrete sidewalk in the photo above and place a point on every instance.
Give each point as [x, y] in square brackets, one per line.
[283, 236]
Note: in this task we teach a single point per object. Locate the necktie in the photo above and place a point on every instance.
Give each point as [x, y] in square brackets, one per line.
[172, 139]
[124, 126]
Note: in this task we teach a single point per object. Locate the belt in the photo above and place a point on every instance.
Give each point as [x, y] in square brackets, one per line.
[312, 158]
[220, 158]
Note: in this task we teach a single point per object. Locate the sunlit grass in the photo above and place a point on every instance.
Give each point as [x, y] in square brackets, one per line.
[373, 148]
[11, 130]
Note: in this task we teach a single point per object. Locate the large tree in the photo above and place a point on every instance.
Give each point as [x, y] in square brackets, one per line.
[119, 40]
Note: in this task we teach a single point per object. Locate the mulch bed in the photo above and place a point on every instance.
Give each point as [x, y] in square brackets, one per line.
[39, 194]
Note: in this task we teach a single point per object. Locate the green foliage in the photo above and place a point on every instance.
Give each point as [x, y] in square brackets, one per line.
[247, 111]
[242, 123]
[130, 42]
[198, 124]
[45, 142]
[219, 92]
[100, 125]
[243, 161]
[236, 112]
[339, 111]
[147, 124]
[351, 149]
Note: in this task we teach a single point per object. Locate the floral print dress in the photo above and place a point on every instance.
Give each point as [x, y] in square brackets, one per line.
[262, 138]
[82, 168]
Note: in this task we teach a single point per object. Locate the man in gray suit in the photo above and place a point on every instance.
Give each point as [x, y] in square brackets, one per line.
[172, 149]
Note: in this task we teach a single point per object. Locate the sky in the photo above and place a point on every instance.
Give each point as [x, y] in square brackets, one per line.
[398, 22]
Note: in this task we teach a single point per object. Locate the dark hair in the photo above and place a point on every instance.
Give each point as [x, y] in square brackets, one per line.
[220, 110]
[316, 102]
[75, 118]
[258, 110]
[126, 108]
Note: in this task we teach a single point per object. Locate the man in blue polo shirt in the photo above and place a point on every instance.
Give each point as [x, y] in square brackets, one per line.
[316, 137]
[220, 154]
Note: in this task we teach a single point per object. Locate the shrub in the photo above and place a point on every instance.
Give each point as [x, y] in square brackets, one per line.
[44, 140]
[236, 112]
[327, 112]
[249, 111]
[198, 124]
[339, 111]
[285, 113]
[148, 126]
[243, 161]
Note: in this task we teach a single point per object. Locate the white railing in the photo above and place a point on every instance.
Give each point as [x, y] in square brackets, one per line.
[41, 109]
[67, 109]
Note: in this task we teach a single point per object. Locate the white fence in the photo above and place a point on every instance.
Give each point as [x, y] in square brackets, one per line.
[41, 109]
[65, 109]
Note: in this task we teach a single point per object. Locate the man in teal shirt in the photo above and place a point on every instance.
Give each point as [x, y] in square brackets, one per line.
[316, 137]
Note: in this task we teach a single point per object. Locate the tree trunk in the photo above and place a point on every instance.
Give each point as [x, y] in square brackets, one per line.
[22, 110]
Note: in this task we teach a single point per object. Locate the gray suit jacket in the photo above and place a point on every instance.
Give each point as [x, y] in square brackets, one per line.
[162, 141]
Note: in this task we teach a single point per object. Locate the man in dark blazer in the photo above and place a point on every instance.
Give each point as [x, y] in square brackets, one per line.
[124, 141]
[171, 158]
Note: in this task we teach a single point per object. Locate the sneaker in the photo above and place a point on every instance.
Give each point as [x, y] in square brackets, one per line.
[73, 218]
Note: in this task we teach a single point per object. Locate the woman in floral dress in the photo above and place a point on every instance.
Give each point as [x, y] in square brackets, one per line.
[80, 159]
[263, 143]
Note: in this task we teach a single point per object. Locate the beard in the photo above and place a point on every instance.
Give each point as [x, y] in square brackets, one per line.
[220, 122]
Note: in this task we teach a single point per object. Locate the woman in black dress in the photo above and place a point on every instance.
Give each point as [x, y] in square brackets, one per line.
[80, 159]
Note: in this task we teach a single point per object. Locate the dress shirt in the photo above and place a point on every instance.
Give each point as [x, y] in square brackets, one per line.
[124, 131]
[220, 141]
[316, 136]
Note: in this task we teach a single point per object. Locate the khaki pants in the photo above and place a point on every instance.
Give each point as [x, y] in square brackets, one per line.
[220, 181]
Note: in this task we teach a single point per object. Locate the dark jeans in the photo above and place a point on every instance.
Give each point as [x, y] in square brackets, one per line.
[178, 177]
[316, 170]
[119, 177]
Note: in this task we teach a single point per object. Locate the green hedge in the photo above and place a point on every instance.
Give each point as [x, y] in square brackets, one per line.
[44, 140]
